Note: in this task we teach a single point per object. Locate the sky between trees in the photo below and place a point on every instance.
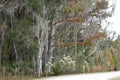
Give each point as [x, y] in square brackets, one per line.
[115, 18]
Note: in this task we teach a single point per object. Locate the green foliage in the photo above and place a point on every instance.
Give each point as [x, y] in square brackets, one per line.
[22, 34]
[36, 5]
[115, 43]
[117, 63]
[53, 3]
[81, 64]
[56, 70]
[26, 66]
[22, 27]
[10, 67]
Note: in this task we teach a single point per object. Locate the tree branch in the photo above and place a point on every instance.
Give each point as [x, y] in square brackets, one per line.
[93, 51]
[2, 5]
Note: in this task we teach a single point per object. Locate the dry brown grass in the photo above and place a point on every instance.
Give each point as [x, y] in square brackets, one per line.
[16, 78]
[99, 68]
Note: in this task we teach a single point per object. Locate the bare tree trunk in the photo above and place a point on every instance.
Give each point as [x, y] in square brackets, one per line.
[0, 56]
[34, 66]
[1, 40]
[0, 53]
[1, 46]
[16, 53]
[42, 36]
[40, 52]
[51, 46]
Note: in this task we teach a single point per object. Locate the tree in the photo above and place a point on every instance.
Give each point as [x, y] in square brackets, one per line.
[41, 31]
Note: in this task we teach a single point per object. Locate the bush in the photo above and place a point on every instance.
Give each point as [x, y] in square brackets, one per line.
[63, 66]
[67, 64]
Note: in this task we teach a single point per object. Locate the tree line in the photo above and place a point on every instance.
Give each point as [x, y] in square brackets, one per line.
[53, 37]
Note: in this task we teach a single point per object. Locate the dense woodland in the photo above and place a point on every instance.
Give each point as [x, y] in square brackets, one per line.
[55, 37]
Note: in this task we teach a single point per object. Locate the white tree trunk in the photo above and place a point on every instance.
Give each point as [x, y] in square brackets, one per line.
[51, 47]
[42, 36]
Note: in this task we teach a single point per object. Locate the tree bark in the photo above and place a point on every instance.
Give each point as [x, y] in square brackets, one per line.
[16, 53]
[51, 46]
[1, 41]
[42, 36]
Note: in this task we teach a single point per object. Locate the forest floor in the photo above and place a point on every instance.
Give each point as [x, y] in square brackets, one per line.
[93, 76]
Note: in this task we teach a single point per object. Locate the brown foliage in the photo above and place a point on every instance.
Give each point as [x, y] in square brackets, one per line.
[102, 4]
[89, 40]
[74, 19]
[99, 68]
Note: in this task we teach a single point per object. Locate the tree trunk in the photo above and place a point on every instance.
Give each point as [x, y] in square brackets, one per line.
[42, 36]
[51, 46]
[16, 53]
[1, 44]
[1, 41]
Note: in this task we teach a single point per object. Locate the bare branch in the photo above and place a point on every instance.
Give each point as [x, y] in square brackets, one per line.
[2, 5]
[74, 19]
[93, 50]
